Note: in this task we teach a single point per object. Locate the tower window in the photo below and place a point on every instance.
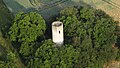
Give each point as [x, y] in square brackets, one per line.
[59, 32]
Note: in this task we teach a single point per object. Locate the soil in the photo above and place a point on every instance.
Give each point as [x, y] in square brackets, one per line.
[113, 64]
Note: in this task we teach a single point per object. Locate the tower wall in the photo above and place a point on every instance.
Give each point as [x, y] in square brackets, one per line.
[57, 32]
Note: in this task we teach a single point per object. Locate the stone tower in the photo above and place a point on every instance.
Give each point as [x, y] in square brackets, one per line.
[57, 32]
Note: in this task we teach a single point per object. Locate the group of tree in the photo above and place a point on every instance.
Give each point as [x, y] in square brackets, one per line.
[8, 56]
[89, 40]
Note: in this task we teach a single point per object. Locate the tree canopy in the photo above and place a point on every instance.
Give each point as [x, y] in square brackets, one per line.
[27, 27]
[89, 40]
[91, 32]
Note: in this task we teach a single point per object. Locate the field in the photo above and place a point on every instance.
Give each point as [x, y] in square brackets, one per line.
[49, 8]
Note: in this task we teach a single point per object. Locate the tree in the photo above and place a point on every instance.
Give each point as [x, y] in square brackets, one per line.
[27, 27]
[70, 11]
[92, 31]
[43, 55]
[71, 23]
[10, 61]
[47, 55]
[89, 34]
[25, 50]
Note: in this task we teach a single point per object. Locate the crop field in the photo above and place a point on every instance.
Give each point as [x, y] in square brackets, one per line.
[47, 8]
[50, 8]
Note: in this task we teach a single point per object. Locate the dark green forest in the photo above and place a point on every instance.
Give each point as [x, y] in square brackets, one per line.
[91, 39]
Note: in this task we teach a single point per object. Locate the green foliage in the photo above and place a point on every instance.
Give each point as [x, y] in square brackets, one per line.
[8, 59]
[118, 55]
[47, 55]
[27, 27]
[11, 56]
[71, 24]
[89, 39]
[118, 41]
[9, 62]
[68, 56]
[70, 11]
[91, 32]
[25, 49]
[105, 34]
[118, 44]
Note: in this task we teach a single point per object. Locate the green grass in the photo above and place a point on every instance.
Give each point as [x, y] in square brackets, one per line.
[99, 3]
[109, 7]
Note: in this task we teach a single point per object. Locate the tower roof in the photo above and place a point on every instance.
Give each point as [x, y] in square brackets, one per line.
[57, 23]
